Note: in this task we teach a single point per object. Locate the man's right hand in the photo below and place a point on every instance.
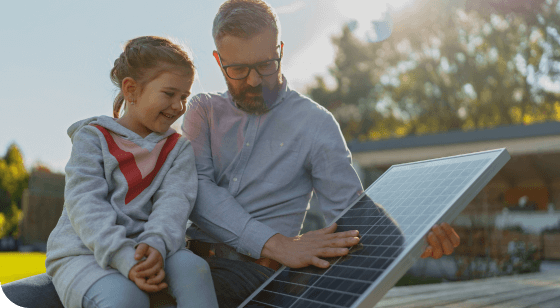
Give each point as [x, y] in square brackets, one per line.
[307, 249]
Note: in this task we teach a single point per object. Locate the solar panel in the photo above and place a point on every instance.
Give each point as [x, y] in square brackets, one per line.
[409, 199]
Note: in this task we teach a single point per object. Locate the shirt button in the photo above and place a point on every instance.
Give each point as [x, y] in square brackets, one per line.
[282, 144]
[235, 179]
[247, 144]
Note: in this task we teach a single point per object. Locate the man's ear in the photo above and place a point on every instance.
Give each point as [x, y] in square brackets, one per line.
[129, 87]
[217, 57]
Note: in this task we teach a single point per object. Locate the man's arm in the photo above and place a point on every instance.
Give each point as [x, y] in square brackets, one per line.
[218, 213]
[335, 182]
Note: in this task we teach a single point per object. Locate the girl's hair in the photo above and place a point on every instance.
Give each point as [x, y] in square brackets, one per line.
[141, 56]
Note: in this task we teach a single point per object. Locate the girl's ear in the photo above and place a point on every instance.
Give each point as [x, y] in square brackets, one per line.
[129, 87]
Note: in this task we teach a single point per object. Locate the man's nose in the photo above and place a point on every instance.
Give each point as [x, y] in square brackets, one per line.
[254, 79]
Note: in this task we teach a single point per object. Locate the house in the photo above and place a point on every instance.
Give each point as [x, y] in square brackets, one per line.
[523, 196]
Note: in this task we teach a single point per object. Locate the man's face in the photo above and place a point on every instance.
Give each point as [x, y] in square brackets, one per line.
[251, 93]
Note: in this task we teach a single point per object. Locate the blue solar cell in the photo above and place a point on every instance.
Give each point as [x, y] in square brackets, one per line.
[410, 198]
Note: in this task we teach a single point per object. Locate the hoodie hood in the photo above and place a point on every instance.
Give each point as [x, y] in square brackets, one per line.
[111, 124]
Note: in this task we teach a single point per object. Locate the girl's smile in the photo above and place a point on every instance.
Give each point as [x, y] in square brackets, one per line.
[158, 104]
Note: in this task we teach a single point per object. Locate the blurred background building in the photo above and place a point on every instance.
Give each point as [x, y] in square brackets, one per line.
[516, 213]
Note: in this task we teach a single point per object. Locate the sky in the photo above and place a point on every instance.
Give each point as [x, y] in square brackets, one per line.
[55, 57]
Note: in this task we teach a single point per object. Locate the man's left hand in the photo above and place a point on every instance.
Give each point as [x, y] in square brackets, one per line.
[441, 240]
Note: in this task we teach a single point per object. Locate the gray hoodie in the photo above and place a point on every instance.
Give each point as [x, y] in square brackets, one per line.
[121, 190]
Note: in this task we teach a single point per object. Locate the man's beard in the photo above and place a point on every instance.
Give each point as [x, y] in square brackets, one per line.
[249, 99]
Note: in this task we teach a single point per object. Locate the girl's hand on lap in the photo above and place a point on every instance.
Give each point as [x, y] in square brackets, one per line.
[156, 279]
[153, 263]
[141, 251]
[142, 283]
[151, 266]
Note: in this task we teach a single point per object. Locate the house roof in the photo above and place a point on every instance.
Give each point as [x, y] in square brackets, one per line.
[457, 137]
[519, 140]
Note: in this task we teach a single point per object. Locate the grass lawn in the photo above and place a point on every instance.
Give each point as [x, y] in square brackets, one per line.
[18, 265]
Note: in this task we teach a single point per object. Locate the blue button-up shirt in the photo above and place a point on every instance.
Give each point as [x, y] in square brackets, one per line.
[256, 173]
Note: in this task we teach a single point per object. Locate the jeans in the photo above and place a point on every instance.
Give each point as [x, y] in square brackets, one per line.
[192, 289]
[233, 282]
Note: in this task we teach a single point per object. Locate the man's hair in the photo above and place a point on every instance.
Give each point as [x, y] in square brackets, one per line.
[244, 19]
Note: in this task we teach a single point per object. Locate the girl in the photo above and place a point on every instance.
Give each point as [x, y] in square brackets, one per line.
[131, 184]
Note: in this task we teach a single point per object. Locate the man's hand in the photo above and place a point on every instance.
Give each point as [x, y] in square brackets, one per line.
[442, 240]
[307, 249]
[148, 274]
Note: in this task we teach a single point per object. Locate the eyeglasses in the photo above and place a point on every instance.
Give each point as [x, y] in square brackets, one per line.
[263, 68]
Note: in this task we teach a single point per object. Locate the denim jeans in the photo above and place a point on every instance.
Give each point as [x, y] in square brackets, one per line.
[187, 275]
[233, 282]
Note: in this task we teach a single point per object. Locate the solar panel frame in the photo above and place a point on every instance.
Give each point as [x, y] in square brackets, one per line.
[495, 160]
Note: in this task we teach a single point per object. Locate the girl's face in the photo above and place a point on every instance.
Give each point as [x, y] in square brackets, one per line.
[160, 104]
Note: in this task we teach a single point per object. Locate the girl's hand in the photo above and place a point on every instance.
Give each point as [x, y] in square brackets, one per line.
[152, 266]
[142, 283]
[157, 279]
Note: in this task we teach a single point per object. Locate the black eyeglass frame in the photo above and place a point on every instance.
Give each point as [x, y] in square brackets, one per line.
[254, 65]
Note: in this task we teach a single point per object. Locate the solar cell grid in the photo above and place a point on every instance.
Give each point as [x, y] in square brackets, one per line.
[347, 278]
[413, 196]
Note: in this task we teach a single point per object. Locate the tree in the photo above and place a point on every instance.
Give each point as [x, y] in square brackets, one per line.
[448, 65]
[13, 181]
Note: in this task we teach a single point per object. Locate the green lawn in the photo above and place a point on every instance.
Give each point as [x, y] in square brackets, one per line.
[18, 265]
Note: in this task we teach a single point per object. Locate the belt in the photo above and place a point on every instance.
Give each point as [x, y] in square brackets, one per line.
[220, 250]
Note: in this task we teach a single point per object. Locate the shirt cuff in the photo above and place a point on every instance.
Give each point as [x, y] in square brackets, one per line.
[157, 243]
[123, 260]
[252, 241]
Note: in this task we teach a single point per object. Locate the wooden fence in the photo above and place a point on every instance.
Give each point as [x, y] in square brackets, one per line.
[42, 205]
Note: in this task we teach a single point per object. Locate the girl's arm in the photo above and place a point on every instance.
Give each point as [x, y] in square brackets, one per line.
[172, 204]
[86, 201]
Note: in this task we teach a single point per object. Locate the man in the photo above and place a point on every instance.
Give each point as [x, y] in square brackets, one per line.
[261, 150]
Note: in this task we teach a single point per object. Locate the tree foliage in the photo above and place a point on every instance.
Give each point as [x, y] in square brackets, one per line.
[448, 65]
[13, 181]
